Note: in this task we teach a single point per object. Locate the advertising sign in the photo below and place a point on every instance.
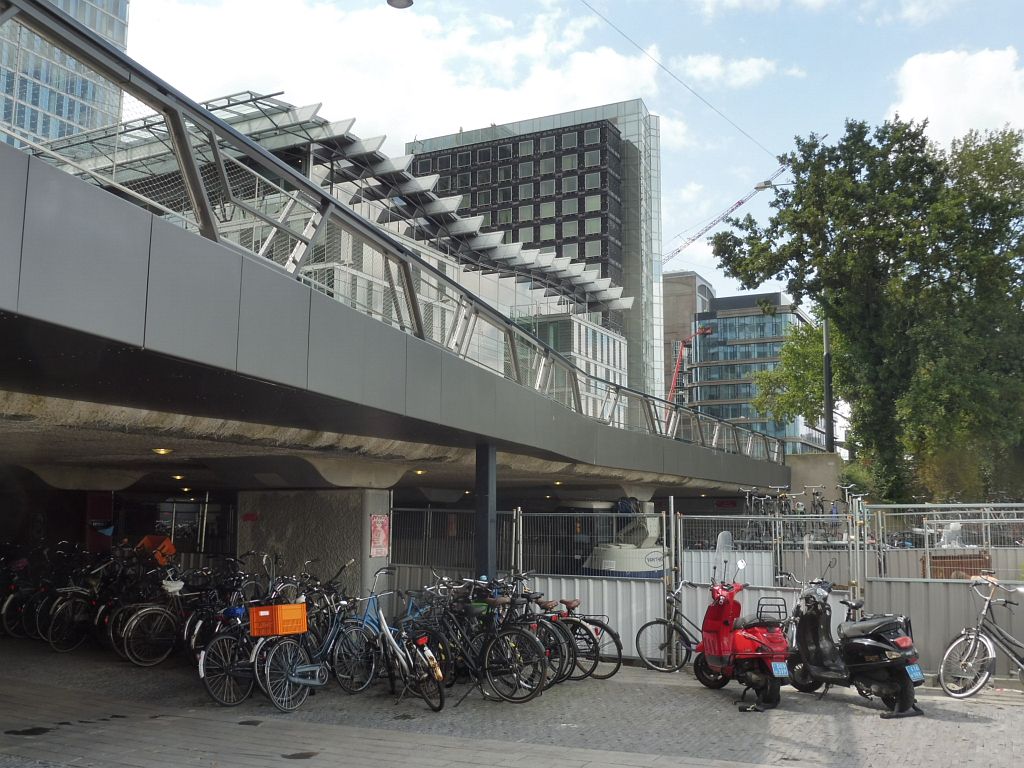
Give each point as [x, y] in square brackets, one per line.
[380, 535]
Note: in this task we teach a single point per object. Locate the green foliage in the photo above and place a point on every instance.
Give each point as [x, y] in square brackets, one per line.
[915, 255]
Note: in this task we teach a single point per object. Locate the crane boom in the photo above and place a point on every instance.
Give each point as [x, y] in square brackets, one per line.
[759, 187]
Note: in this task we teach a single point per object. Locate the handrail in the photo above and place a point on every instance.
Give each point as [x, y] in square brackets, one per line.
[196, 137]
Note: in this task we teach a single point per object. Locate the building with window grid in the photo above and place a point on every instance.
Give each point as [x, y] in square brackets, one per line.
[46, 95]
[583, 185]
[745, 340]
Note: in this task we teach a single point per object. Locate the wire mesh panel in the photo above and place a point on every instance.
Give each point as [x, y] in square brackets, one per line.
[444, 539]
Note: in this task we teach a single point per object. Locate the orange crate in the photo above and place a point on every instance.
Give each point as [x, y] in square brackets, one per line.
[161, 547]
[266, 620]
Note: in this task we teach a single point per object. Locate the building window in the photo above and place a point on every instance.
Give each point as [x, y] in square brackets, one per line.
[444, 184]
[592, 136]
[462, 159]
[462, 181]
[504, 216]
[526, 191]
[525, 170]
[504, 194]
[547, 165]
[484, 176]
[483, 155]
[570, 229]
[464, 203]
[547, 144]
[423, 166]
[525, 213]
[570, 184]
[505, 173]
[487, 219]
[571, 250]
[547, 232]
[444, 162]
[592, 226]
[592, 158]
[524, 234]
[547, 210]
[593, 181]
[571, 205]
[504, 151]
[547, 187]
[569, 162]
[592, 203]
[483, 197]
[593, 249]
[526, 147]
[569, 140]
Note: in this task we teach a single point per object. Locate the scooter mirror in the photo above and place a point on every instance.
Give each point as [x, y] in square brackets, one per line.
[741, 563]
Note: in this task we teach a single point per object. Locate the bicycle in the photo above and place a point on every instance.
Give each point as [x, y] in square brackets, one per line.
[968, 660]
[665, 645]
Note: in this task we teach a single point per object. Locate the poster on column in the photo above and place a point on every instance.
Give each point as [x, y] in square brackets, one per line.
[380, 530]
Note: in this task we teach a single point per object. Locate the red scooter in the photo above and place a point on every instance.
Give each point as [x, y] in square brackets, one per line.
[751, 649]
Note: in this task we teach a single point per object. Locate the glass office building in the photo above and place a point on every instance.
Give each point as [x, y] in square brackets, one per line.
[744, 340]
[46, 95]
[584, 185]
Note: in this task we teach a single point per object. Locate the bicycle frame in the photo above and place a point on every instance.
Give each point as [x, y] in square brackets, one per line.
[987, 628]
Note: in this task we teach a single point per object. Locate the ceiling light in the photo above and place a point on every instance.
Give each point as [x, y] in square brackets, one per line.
[185, 490]
[419, 471]
[163, 451]
[468, 492]
[558, 482]
[177, 477]
[547, 497]
[400, 3]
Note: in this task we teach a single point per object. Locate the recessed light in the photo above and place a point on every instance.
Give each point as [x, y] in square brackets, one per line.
[547, 497]
[558, 482]
[419, 471]
[177, 477]
[468, 492]
[185, 490]
[163, 451]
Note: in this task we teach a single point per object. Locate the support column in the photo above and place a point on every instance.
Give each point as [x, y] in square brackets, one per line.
[485, 540]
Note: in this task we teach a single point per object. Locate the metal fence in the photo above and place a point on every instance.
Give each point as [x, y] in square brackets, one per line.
[179, 161]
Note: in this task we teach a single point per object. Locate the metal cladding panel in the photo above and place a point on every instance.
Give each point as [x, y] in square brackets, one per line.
[516, 412]
[423, 384]
[559, 430]
[79, 269]
[13, 189]
[337, 348]
[468, 396]
[629, 450]
[194, 288]
[273, 325]
[384, 368]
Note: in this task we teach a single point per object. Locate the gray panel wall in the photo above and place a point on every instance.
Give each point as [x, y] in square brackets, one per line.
[14, 172]
[77, 270]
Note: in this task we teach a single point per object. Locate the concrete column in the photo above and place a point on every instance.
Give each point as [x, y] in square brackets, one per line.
[485, 544]
[332, 526]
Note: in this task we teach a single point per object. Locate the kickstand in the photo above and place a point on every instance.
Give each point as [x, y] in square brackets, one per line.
[743, 696]
[824, 691]
[914, 711]
[750, 708]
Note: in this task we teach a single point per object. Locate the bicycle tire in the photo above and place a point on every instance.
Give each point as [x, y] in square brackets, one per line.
[585, 647]
[284, 693]
[149, 636]
[966, 665]
[515, 666]
[29, 627]
[557, 651]
[11, 614]
[44, 615]
[354, 658]
[658, 641]
[425, 680]
[609, 655]
[70, 624]
[224, 668]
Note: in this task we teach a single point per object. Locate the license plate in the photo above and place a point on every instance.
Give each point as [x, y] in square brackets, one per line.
[914, 670]
[780, 669]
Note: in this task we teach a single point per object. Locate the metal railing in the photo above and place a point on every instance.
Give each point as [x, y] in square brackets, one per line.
[213, 180]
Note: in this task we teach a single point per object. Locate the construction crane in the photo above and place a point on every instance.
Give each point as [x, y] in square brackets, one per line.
[759, 187]
[702, 331]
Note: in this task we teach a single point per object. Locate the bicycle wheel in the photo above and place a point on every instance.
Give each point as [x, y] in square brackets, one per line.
[663, 646]
[149, 636]
[70, 625]
[609, 653]
[354, 658]
[286, 694]
[29, 627]
[966, 665]
[585, 645]
[427, 679]
[225, 670]
[515, 665]
[14, 605]
[557, 651]
[116, 627]
[44, 615]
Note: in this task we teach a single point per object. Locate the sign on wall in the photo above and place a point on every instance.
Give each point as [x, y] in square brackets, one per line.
[380, 535]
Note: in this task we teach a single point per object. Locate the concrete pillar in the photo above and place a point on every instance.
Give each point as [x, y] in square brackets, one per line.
[485, 546]
[331, 526]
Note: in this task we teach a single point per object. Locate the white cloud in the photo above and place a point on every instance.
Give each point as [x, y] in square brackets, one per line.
[675, 133]
[714, 71]
[398, 73]
[711, 8]
[915, 12]
[959, 91]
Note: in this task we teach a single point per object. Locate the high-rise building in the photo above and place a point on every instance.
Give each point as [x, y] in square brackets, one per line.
[686, 294]
[744, 336]
[584, 186]
[46, 95]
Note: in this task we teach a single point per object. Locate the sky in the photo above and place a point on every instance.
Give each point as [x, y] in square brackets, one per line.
[733, 81]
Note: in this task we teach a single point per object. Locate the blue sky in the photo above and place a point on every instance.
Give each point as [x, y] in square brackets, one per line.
[776, 68]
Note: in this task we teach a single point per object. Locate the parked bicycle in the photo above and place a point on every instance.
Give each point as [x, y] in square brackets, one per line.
[665, 645]
[969, 659]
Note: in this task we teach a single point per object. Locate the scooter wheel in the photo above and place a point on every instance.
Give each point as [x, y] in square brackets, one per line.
[800, 679]
[904, 700]
[708, 677]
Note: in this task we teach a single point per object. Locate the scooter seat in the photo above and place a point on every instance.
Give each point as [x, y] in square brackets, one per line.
[749, 622]
[865, 627]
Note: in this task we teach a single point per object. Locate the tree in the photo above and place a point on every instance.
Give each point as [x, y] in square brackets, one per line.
[915, 256]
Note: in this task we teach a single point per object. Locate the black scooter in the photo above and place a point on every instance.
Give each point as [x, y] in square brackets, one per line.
[876, 654]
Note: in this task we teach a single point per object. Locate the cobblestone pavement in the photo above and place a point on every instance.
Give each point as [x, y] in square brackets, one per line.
[637, 718]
